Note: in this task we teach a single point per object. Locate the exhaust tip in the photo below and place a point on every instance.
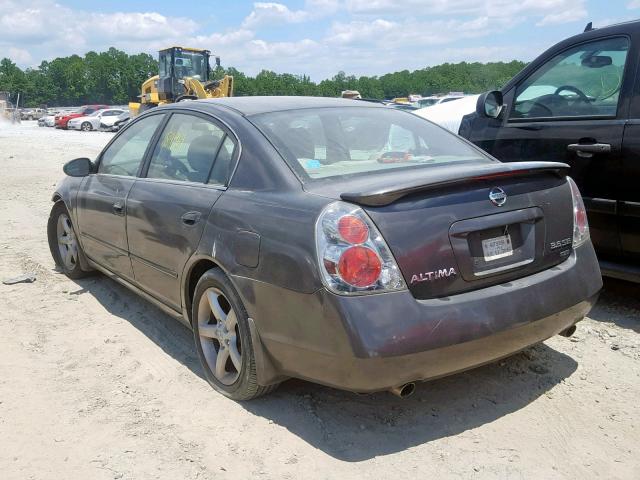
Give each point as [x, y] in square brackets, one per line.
[404, 391]
[569, 331]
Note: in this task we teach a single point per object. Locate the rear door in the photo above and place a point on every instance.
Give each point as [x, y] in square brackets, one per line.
[102, 197]
[573, 109]
[167, 210]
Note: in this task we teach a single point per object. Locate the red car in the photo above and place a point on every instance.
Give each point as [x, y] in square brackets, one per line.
[62, 119]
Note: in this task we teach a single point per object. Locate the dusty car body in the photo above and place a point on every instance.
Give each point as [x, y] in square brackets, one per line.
[324, 254]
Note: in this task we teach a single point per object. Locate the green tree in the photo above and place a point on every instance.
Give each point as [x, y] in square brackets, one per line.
[115, 77]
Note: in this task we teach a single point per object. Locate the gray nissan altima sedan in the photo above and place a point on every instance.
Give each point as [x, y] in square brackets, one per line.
[337, 241]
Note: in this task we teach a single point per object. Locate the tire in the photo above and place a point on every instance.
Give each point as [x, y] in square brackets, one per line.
[214, 288]
[86, 127]
[69, 264]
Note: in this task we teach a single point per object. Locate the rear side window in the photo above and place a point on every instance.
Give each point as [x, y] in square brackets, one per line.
[223, 164]
[187, 149]
[333, 142]
[125, 154]
[582, 81]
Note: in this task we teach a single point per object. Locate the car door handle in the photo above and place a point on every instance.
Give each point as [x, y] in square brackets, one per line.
[586, 150]
[190, 218]
[118, 208]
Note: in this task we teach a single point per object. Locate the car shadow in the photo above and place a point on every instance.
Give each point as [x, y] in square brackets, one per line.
[353, 427]
[619, 303]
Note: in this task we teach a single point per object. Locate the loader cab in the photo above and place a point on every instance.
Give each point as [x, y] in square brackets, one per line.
[176, 63]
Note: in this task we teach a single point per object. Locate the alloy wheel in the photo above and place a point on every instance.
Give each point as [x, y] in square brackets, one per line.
[219, 336]
[67, 243]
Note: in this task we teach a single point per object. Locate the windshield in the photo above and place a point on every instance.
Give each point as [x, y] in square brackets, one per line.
[190, 64]
[333, 142]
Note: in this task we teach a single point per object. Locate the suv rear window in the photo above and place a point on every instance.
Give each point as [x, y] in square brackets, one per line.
[334, 142]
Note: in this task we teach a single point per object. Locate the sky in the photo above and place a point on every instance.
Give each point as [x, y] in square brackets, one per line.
[314, 37]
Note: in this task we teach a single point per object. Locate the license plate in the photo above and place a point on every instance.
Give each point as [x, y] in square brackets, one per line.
[497, 247]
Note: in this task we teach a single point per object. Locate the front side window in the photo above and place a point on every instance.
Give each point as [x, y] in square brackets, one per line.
[333, 142]
[125, 154]
[186, 150]
[582, 81]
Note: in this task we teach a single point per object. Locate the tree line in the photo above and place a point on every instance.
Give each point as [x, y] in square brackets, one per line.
[114, 77]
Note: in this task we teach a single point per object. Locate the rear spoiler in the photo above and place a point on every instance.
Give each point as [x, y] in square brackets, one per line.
[383, 193]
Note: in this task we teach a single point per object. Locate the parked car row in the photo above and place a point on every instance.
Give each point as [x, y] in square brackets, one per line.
[87, 118]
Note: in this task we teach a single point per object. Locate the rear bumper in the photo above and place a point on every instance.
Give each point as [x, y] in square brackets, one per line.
[375, 342]
[382, 373]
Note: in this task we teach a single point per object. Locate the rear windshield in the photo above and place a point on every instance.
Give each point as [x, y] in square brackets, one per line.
[334, 142]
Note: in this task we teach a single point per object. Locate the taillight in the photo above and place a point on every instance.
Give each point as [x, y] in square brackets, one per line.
[352, 229]
[580, 223]
[359, 266]
[352, 255]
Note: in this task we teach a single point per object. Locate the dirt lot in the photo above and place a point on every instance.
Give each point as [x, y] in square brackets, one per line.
[95, 383]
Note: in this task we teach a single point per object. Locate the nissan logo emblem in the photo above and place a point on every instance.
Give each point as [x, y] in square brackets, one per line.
[497, 196]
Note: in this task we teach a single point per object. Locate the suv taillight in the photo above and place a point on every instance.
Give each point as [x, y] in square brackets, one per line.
[352, 255]
[580, 223]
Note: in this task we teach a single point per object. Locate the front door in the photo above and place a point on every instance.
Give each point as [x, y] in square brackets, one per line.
[168, 209]
[629, 185]
[573, 109]
[102, 197]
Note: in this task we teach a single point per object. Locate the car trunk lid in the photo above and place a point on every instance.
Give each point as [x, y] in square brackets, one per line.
[462, 228]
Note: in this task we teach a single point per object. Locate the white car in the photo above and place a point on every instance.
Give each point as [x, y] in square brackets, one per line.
[425, 102]
[47, 121]
[106, 116]
[449, 114]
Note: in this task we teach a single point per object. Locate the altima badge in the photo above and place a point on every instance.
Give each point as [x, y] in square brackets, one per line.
[497, 196]
[435, 275]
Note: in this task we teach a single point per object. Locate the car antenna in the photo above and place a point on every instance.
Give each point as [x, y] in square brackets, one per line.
[589, 27]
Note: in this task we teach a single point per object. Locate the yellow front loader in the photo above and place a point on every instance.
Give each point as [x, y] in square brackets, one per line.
[183, 75]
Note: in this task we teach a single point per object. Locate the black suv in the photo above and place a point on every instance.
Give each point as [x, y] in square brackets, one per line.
[579, 103]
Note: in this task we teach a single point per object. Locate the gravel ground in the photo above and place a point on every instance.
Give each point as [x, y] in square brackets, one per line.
[96, 383]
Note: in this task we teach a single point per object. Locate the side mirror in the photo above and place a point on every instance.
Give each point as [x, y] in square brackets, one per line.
[490, 104]
[80, 167]
[217, 61]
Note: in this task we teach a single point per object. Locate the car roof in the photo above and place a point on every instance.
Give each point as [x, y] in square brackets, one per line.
[256, 105]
